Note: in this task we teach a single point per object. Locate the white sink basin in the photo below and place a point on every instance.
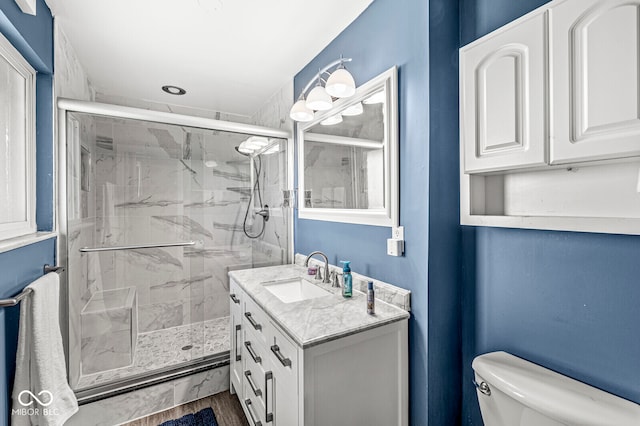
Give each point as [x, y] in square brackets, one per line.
[294, 290]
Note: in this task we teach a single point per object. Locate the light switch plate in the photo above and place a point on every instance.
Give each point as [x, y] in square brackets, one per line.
[395, 247]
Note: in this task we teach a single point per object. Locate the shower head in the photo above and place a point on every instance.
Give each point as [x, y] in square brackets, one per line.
[246, 154]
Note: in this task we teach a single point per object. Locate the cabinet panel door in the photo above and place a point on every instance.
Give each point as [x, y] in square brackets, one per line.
[596, 95]
[503, 98]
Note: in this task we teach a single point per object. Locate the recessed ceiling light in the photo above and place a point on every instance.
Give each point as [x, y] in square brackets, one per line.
[173, 90]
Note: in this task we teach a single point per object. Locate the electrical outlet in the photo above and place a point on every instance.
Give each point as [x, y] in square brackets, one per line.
[397, 233]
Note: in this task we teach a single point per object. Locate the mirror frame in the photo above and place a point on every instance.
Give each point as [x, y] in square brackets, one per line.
[389, 215]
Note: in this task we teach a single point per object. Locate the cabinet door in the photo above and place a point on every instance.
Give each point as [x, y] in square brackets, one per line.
[596, 95]
[284, 385]
[503, 98]
[236, 339]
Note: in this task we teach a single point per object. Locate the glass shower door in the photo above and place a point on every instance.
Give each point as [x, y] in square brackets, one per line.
[158, 214]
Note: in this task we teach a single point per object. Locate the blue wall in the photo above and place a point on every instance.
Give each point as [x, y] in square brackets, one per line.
[568, 301]
[399, 32]
[33, 37]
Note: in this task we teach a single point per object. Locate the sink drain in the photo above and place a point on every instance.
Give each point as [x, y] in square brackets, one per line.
[186, 348]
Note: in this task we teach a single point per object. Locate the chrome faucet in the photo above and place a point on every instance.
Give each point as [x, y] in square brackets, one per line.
[326, 278]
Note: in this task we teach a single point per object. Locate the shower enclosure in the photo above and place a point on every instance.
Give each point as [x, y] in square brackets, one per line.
[157, 209]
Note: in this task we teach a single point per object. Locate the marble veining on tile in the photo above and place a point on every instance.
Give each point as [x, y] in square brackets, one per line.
[164, 348]
[314, 321]
[190, 226]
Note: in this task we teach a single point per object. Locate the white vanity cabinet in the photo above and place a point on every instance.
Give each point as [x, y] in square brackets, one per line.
[358, 379]
[503, 98]
[595, 57]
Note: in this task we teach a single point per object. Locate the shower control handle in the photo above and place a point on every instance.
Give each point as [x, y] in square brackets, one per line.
[256, 358]
[234, 298]
[253, 322]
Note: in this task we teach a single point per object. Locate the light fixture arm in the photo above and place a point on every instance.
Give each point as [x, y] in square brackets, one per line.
[315, 78]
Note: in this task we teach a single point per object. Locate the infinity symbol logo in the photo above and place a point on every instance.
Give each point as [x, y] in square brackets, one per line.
[33, 396]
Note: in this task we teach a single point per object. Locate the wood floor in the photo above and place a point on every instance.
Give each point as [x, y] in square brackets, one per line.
[226, 407]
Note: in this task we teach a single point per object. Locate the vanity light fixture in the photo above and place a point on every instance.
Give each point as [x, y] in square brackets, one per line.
[339, 84]
[356, 109]
[376, 98]
[334, 119]
[173, 90]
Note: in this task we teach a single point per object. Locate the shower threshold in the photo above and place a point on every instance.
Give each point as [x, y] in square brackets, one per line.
[162, 355]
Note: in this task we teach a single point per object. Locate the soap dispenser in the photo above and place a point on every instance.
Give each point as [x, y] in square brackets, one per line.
[347, 287]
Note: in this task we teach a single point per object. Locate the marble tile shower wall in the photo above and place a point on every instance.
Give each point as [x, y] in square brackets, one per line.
[155, 184]
[155, 189]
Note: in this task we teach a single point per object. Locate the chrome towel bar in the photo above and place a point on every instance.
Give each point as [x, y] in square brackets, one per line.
[5, 303]
[139, 246]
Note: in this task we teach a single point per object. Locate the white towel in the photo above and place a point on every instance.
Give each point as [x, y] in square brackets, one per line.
[41, 394]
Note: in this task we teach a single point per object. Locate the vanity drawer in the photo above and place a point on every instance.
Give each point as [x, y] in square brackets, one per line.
[253, 349]
[283, 353]
[254, 319]
[255, 411]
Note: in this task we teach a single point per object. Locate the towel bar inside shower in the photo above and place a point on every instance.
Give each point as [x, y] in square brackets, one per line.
[5, 303]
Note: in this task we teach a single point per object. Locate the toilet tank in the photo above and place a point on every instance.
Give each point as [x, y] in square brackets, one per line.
[519, 393]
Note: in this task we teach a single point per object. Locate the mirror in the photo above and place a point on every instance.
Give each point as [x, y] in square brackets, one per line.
[348, 158]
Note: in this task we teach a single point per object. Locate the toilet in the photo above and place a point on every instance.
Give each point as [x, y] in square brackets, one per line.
[515, 392]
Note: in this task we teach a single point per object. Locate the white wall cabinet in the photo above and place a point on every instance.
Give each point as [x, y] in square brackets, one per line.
[544, 101]
[503, 98]
[360, 379]
[595, 72]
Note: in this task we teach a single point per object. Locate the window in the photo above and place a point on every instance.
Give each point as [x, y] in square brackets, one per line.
[17, 143]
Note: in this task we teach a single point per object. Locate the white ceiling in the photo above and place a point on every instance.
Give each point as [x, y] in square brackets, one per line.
[230, 55]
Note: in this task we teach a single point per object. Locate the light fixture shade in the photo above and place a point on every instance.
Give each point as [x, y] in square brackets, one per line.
[334, 119]
[300, 112]
[356, 109]
[319, 100]
[340, 84]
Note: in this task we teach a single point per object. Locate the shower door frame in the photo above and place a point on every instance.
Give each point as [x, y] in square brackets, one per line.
[65, 106]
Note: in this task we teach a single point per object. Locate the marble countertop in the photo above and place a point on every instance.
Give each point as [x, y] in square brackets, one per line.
[314, 321]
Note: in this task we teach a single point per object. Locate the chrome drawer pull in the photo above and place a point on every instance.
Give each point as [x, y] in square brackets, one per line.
[234, 298]
[255, 356]
[252, 321]
[268, 416]
[284, 361]
[254, 388]
[238, 356]
[247, 403]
